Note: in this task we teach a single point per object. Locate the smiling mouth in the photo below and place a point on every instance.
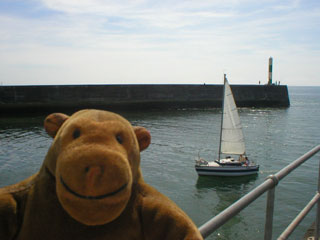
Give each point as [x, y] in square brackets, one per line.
[91, 197]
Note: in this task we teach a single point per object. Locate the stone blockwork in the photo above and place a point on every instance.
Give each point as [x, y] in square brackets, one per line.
[130, 97]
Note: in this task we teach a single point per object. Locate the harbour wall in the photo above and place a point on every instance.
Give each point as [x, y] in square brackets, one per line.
[53, 98]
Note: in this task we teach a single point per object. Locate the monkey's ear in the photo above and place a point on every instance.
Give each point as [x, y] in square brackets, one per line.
[143, 137]
[53, 122]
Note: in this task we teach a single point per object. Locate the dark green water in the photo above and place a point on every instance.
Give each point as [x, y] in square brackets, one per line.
[274, 138]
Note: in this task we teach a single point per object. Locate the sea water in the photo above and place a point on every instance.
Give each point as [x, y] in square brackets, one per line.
[274, 138]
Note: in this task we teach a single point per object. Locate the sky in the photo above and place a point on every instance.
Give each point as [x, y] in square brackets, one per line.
[159, 42]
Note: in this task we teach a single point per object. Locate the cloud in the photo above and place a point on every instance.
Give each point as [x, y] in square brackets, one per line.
[141, 41]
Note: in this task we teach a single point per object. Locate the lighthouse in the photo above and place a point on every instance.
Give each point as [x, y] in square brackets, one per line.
[270, 71]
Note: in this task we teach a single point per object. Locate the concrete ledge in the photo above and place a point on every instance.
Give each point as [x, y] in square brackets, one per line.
[309, 235]
[130, 97]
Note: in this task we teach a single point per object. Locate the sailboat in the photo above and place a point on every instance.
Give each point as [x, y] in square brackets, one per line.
[231, 146]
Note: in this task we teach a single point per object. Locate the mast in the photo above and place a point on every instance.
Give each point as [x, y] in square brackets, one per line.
[223, 92]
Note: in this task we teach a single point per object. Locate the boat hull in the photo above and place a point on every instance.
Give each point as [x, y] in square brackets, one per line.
[226, 170]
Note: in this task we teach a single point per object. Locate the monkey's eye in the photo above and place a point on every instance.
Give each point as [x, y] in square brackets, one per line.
[119, 138]
[76, 133]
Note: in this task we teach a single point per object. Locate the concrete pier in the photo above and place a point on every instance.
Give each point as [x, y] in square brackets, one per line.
[309, 235]
[31, 99]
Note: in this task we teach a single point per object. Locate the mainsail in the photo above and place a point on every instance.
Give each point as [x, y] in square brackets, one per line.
[232, 140]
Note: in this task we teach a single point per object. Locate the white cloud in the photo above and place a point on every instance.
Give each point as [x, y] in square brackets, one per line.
[158, 42]
[89, 6]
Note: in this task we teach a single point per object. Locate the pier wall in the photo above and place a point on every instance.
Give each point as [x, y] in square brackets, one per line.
[131, 97]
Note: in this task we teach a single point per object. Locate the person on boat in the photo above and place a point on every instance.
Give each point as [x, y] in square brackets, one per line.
[242, 158]
[247, 161]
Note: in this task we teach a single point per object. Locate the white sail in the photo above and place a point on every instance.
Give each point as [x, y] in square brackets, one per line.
[232, 140]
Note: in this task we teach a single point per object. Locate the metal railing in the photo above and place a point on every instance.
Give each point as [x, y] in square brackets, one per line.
[268, 185]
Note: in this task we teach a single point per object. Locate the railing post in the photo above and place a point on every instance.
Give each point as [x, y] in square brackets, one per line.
[270, 209]
[316, 234]
[269, 215]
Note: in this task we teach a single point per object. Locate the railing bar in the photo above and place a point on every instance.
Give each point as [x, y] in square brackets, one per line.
[234, 209]
[286, 170]
[292, 226]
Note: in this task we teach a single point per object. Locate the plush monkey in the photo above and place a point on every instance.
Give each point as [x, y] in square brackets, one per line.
[90, 186]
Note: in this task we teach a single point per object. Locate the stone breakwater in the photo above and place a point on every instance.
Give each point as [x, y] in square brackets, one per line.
[48, 98]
